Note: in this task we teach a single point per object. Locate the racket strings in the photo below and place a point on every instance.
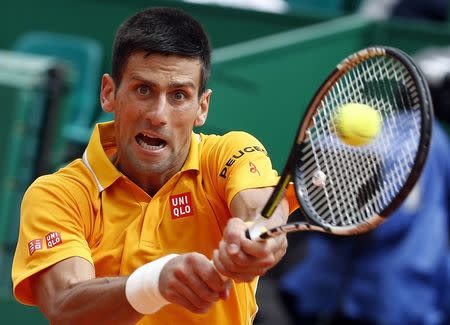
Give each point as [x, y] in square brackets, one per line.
[361, 181]
[407, 103]
[393, 104]
[350, 200]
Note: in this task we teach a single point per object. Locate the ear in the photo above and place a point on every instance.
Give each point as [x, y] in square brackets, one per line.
[203, 108]
[107, 93]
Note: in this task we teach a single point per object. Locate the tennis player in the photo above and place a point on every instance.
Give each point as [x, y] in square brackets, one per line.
[127, 233]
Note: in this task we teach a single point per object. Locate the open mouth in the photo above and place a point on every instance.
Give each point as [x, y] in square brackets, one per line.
[150, 143]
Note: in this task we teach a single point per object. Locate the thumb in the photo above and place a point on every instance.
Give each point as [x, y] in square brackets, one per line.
[233, 234]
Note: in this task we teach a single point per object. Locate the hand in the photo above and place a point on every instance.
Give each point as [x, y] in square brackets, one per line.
[190, 280]
[243, 259]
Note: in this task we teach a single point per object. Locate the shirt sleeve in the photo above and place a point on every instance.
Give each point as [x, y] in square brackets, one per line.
[51, 229]
[242, 162]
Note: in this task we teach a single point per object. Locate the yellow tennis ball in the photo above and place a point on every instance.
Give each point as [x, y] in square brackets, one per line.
[357, 124]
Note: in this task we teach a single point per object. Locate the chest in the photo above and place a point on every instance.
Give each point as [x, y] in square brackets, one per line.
[131, 229]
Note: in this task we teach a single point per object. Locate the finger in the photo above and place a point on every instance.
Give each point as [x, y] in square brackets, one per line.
[269, 253]
[282, 248]
[226, 293]
[242, 260]
[233, 233]
[243, 264]
[197, 293]
[182, 295]
[198, 267]
[220, 266]
[176, 291]
[232, 262]
[211, 277]
[259, 248]
[180, 284]
[243, 275]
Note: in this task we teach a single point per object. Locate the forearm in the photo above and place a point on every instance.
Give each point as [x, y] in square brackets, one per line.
[95, 301]
[248, 204]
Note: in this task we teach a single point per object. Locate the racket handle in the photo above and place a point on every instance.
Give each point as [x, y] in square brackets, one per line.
[256, 228]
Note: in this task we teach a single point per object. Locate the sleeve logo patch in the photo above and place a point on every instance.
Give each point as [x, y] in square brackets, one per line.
[181, 205]
[34, 245]
[53, 239]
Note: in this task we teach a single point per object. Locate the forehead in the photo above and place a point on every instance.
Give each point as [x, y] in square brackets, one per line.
[157, 67]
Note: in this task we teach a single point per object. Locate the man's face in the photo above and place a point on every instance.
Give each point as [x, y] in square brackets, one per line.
[155, 109]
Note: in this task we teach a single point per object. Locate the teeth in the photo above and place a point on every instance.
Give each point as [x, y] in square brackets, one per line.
[147, 146]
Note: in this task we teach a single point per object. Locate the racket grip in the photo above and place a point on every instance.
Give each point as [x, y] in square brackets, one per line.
[256, 228]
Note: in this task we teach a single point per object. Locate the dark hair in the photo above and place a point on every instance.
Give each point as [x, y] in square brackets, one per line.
[166, 31]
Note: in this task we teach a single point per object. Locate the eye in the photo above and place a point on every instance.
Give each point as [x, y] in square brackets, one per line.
[179, 95]
[143, 90]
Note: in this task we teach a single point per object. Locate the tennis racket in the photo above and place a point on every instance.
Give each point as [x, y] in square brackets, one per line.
[358, 187]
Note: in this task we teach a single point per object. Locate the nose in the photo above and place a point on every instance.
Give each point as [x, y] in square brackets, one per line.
[157, 112]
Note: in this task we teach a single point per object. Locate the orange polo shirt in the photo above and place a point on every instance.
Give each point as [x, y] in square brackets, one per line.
[91, 210]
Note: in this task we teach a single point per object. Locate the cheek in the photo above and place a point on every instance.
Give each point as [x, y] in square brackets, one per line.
[128, 112]
[186, 117]
[184, 121]
[182, 125]
[124, 119]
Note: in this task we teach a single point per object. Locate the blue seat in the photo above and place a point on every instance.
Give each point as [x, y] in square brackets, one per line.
[85, 56]
[26, 84]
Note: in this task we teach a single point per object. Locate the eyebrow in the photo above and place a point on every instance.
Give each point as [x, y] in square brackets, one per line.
[179, 84]
[172, 84]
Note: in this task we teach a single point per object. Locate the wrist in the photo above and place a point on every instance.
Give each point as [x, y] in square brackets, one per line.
[142, 286]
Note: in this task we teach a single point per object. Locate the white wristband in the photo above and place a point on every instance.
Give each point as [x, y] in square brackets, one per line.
[142, 287]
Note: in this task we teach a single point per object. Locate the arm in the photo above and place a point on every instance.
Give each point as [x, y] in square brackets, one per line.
[240, 258]
[69, 293]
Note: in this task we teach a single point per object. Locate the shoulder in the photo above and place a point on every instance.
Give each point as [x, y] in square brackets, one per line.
[233, 136]
[234, 139]
[72, 182]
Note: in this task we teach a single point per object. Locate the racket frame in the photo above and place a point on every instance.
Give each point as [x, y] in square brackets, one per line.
[287, 175]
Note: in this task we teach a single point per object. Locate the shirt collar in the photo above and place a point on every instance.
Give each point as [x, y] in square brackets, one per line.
[96, 158]
[103, 142]
[192, 160]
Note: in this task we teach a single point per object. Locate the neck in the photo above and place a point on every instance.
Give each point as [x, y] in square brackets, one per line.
[149, 181]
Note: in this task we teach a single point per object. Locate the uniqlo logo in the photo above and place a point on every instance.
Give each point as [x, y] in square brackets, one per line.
[53, 239]
[181, 205]
[34, 245]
